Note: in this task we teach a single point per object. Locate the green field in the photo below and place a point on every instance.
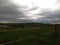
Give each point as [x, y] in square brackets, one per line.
[39, 35]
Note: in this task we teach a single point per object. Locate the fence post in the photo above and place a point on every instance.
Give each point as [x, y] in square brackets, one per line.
[56, 32]
[38, 41]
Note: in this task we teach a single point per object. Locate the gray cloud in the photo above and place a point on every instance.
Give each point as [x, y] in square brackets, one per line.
[9, 13]
[50, 16]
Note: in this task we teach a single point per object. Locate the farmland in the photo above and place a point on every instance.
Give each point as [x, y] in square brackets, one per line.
[29, 34]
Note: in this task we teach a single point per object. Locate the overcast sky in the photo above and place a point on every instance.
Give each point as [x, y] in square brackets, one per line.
[22, 11]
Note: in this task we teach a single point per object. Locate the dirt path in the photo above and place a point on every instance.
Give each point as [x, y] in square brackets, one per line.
[9, 30]
[17, 40]
[16, 30]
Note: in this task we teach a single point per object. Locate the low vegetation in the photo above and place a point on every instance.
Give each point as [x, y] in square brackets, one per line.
[47, 34]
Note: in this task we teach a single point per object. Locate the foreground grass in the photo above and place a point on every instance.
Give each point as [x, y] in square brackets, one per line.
[10, 36]
[43, 35]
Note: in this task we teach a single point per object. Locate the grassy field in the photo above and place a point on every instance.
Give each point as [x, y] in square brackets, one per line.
[39, 35]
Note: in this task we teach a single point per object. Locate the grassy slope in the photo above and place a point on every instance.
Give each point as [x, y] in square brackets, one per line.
[43, 35]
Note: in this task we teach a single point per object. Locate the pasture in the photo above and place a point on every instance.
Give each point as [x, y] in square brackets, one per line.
[30, 34]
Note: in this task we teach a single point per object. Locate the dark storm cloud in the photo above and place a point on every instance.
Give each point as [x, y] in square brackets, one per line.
[9, 11]
[53, 14]
[50, 16]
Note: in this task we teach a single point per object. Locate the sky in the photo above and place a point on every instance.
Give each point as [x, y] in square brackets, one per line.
[28, 11]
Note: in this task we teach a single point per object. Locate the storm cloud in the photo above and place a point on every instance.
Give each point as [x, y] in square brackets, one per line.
[50, 16]
[9, 12]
